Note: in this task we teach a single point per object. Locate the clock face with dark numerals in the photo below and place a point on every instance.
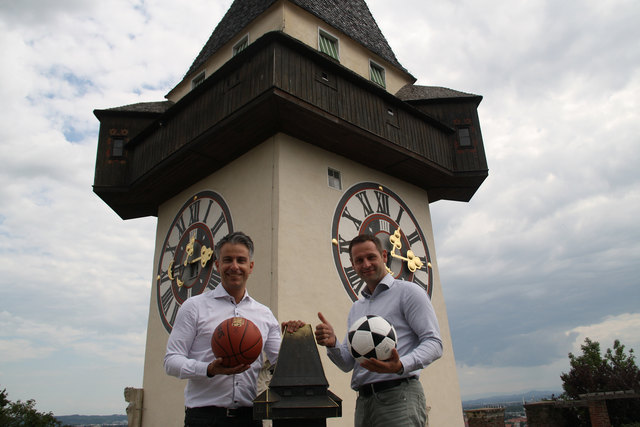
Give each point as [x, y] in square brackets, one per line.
[370, 208]
[186, 266]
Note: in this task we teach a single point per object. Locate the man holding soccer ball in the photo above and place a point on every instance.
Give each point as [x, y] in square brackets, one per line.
[389, 392]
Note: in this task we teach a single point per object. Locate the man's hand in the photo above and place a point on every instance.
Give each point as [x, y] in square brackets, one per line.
[324, 333]
[292, 325]
[389, 366]
[216, 368]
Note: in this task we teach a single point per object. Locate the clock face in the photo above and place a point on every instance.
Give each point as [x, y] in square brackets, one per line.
[370, 208]
[186, 265]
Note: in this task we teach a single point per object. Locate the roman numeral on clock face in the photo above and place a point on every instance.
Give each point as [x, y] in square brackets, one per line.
[353, 278]
[413, 237]
[383, 202]
[366, 206]
[218, 225]
[344, 245]
[194, 212]
[356, 222]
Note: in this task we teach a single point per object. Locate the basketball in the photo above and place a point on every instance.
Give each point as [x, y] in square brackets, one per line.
[237, 341]
[371, 337]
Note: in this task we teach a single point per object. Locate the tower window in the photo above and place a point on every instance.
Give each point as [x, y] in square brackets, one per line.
[241, 45]
[117, 147]
[334, 179]
[328, 44]
[197, 80]
[376, 73]
[464, 138]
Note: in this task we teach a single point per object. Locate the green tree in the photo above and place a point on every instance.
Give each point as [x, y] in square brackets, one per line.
[14, 414]
[592, 372]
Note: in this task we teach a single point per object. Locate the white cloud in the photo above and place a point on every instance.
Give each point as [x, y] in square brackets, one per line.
[14, 350]
[24, 338]
[480, 379]
[623, 327]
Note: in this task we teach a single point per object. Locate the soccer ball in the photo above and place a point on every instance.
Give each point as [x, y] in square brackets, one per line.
[371, 336]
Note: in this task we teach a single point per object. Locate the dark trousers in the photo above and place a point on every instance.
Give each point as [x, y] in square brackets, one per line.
[212, 416]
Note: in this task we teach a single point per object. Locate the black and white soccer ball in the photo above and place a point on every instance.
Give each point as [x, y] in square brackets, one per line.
[371, 336]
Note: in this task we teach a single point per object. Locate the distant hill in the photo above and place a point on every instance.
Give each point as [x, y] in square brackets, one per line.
[502, 400]
[93, 420]
[506, 399]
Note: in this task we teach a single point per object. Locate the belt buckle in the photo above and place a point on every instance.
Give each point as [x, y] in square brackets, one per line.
[232, 413]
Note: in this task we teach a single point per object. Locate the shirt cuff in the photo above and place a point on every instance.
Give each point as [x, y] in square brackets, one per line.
[333, 350]
[201, 369]
[406, 366]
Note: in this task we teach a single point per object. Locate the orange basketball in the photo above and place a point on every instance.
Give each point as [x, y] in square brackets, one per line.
[237, 341]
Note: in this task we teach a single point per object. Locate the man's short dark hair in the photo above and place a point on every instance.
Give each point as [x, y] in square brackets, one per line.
[362, 238]
[237, 237]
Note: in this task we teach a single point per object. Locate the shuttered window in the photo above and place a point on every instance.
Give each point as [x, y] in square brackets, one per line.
[376, 74]
[117, 147]
[241, 45]
[464, 138]
[197, 80]
[328, 45]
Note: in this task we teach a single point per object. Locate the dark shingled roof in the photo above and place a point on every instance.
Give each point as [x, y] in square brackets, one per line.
[144, 107]
[423, 93]
[352, 17]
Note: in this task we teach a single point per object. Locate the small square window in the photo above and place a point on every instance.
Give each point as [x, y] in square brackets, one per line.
[241, 45]
[334, 179]
[464, 138]
[197, 80]
[117, 147]
[376, 73]
[328, 44]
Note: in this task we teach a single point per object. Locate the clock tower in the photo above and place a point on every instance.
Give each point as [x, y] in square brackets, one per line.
[297, 125]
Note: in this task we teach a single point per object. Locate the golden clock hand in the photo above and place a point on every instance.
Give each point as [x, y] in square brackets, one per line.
[205, 256]
[170, 270]
[189, 249]
[413, 262]
[396, 243]
[395, 240]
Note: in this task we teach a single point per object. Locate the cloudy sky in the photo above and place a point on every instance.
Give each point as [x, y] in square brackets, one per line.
[545, 254]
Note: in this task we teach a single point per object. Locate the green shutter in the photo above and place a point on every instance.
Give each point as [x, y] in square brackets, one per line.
[328, 46]
[240, 46]
[377, 75]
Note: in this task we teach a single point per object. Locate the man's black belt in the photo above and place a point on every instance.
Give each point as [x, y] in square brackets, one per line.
[368, 389]
[216, 411]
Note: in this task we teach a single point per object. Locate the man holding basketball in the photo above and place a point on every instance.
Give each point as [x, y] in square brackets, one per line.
[389, 392]
[216, 395]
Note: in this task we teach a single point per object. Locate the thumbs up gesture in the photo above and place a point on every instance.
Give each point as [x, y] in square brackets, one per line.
[324, 333]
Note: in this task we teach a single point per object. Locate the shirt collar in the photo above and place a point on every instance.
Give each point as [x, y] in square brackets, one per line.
[387, 281]
[221, 292]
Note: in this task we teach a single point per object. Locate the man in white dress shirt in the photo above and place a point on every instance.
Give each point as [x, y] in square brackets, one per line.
[216, 395]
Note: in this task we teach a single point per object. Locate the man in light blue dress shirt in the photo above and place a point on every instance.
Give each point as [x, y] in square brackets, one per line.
[389, 392]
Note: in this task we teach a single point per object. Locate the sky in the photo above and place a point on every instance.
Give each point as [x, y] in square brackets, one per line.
[545, 254]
